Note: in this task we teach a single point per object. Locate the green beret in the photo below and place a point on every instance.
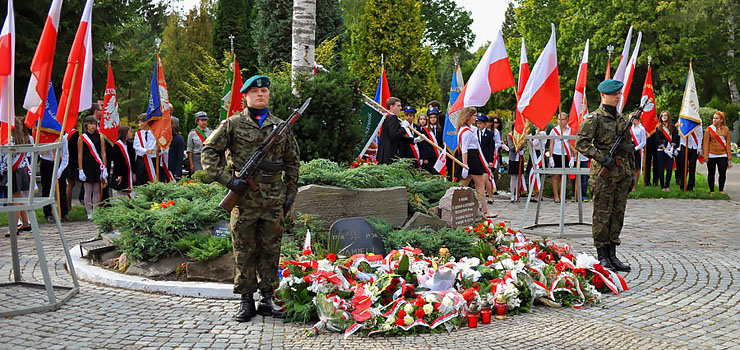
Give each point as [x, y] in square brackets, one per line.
[610, 86]
[256, 81]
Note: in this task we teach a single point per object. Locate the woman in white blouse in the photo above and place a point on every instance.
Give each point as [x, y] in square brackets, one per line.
[472, 157]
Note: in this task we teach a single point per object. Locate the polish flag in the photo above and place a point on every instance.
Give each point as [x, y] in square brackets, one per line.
[492, 74]
[519, 127]
[619, 74]
[541, 96]
[78, 97]
[579, 108]
[236, 103]
[629, 73]
[7, 73]
[43, 60]
[110, 121]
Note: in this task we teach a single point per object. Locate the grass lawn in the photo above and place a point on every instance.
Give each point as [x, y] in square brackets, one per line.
[77, 213]
[736, 159]
[701, 191]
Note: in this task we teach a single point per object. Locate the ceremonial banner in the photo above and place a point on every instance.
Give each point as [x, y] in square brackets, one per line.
[579, 108]
[43, 60]
[50, 126]
[520, 125]
[450, 131]
[688, 118]
[619, 74]
[160, 108]
[371, 116]
[383, 92]
[541, 96]
[79, 71]
[7, 73]
[629, 73]
[110, 121]
[649, 118]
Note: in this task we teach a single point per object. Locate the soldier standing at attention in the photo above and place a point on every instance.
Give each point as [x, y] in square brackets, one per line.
[196, 137]
[596, 136]
[257, 220]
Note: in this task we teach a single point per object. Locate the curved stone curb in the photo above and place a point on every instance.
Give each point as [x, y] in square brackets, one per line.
[94, 274]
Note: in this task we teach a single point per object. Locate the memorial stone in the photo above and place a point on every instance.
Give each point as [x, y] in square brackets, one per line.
[357, 236]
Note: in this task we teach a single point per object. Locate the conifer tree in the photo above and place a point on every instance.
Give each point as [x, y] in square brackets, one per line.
[234, 17]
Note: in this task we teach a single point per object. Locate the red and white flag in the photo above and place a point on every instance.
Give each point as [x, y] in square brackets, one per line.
[441, 163]
[236, 103]
[579, 108]
[110, 121]
[7, 73]
[43, 60]
[629, 73]
[492, 74]
[619, 74]
[519, 127]
[541, 96]
[162, 127]
[649, 118]
[79, 95]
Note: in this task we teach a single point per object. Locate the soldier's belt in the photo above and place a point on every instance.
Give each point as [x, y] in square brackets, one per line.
[272, 167]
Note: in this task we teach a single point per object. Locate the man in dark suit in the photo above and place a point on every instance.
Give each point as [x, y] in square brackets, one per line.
[485, 137]
[391, 133]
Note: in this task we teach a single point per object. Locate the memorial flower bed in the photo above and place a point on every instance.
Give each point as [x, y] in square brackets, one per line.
[406, 291]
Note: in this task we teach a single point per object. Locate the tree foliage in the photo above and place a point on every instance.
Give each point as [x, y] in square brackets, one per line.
[447, 25]
[385, 30]
[233, 17]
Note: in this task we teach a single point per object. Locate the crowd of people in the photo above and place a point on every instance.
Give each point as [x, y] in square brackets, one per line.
[482, 146]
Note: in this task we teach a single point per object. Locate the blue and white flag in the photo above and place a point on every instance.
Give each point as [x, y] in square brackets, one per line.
[153, 110]
[450, 131]
[689, 118]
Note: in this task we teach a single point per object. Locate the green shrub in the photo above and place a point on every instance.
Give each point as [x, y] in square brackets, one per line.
[203, 247]
[459, 242]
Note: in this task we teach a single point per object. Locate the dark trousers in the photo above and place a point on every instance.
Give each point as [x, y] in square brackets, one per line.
[47, 169]
[690, 173]
[718, 163]
[651, 164]
[665, 169]
[584, 179]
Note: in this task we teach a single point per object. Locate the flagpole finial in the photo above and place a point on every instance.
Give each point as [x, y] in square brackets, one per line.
[158, 42]
[457, 59]
[231, 41]
[650, 58]
[382, 60]
[109, 46]
[610, 49]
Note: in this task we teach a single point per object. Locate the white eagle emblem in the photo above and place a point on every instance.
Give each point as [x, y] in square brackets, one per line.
[111, 119]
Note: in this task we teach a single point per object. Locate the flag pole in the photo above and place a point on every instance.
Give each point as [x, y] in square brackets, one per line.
[686, 162]
[157, 158]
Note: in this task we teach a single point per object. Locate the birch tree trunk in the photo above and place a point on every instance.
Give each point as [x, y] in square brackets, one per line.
[304, 38]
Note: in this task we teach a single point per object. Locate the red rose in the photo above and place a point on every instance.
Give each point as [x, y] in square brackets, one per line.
[542, 256]
[399, 321]
[597, 281]
[307, 252]
[599, 268]
[307, 279]
[402, 313]
[387, 301]
[409, 293]
[469, 294]
[332, 257]
[515, 257]
[419, 313]
[579, 272]
[436, 306]
[419, 302]
[569, 257]
[286, 273]
[395, 281]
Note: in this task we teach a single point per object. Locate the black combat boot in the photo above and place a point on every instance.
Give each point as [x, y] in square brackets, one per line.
[246, 310]
[618, 265]
[603, 256]
[268, 306]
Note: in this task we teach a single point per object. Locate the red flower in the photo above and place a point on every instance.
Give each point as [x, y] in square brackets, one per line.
[561, 266]
[579, 272]
[569, 257]
[286, 273]
[387, 301]
[502, 224]
[402, 313]
[307, 278]
[419, 302]
[395, 281]
[599, 269]
[409, 293]
[399, 321]
[419, 313]
[542, 256]
[597, 281]
[515, 257]
[469, 294]
[436, 306]
[307, 252]
[332, 257]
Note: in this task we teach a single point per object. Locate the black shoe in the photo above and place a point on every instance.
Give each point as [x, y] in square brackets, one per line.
[269, 306]
[246, 310]
[49, 219]
[603, 256]
[618, 265]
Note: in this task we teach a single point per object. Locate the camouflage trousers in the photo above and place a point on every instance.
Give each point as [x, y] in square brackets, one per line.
[256, 235]
[610, 202]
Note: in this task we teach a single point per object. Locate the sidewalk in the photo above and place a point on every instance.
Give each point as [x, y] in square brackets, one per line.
[732, 184]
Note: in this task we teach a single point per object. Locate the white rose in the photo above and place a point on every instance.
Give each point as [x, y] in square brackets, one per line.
[430, 298]
[409, 309]
[391, 319]
[407, 320]
[428, 309]
[447, 302]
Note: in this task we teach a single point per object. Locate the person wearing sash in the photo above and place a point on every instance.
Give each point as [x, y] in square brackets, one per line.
[487, 149]
[427, 152]
[695, 140]
[408, 147]
[472, 157]
[667, 142]
[558, 148]
[638, 134]
[536, 162]
[196, 138]
[71, 174]
[145, 147]
[91, 160]
[122, 166]
[434, 132]
[21, 171]
[391, 133]
[516, 162]
[48, 181]
[717, 152]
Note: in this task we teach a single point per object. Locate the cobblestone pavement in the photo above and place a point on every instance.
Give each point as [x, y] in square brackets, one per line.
[683, 294]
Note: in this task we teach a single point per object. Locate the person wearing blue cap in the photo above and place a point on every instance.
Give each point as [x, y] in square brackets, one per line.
[597, 134]
[408, 148]
[433, 131]
[391, 133]
[487, 148]
[257, 221]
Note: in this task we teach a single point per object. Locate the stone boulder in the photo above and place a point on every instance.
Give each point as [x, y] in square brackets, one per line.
[421, 220]
[158, 269]
[331, 203]
[220, 269]
[459, 207]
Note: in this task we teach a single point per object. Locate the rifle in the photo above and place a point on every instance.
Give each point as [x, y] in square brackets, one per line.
[646, 104]
[252, 164]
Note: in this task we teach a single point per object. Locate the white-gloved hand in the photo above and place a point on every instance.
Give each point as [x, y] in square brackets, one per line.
[104, 173]
[82, 176]
[571, 163]
[464, 173]
[551, 162]
[667, 151]
[417, 139]
[505, 147]
[405, 124]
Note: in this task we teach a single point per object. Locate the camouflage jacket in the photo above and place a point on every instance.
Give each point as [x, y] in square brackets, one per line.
[229, 147]
[597, 134]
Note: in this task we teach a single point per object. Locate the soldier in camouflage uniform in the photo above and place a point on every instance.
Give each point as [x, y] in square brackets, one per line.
[597, 134]
[257, 219]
